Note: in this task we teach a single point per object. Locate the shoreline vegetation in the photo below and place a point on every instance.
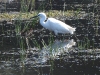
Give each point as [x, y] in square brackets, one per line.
[9, 16]
[28, 48]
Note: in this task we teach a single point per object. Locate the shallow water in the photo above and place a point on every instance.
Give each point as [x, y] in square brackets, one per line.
[54, 58]
[70, 61]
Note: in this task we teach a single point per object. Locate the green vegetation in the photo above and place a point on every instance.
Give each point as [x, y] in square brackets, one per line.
[23, 41]
[27, 15]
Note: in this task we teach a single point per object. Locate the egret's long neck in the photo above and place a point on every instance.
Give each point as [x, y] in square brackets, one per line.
[42, 21]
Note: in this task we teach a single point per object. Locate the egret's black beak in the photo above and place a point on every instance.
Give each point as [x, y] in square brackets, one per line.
[34, 17]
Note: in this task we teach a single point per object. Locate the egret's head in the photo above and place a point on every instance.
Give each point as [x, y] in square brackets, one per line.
[42, 15]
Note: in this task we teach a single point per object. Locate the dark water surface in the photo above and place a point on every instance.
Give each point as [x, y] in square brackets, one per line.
[19, 56]
[72, 61]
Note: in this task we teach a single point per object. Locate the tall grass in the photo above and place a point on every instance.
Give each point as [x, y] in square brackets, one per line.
[21, 27]
[23, 41]
[84, 44]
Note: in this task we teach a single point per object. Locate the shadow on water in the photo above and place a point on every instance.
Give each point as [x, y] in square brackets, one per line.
[37, 62]
[58, 58]
[53, 57]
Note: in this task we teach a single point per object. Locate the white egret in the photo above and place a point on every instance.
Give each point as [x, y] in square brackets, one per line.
[55, 25]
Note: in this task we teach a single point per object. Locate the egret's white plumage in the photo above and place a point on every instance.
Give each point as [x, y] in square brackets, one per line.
[55, 25]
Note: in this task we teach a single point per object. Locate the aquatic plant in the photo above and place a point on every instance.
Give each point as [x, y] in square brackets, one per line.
[24, 43]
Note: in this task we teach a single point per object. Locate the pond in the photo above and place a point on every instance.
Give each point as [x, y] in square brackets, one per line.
[62, 61]
[59, 58]
[39, 52]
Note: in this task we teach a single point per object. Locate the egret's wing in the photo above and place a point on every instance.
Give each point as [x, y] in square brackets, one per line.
[58, 25]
